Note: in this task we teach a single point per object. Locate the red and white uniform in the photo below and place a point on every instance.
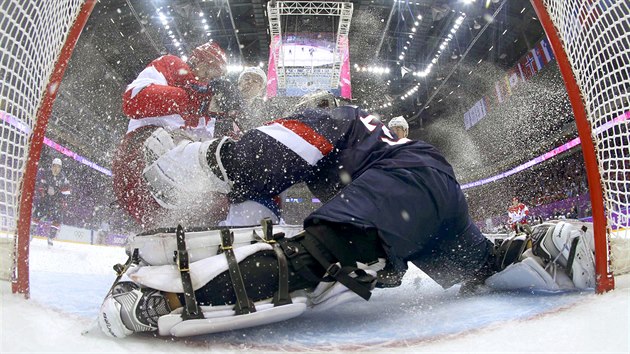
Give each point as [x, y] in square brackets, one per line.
[160, 97]
[517, 214]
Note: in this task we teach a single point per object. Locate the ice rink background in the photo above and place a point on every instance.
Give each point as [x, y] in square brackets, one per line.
[69, 282]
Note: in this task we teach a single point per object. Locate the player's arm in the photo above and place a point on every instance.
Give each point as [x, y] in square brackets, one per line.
[159, 100]
[160, 90]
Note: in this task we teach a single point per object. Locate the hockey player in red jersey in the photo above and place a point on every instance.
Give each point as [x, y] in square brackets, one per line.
[517, 215]
[169, 97]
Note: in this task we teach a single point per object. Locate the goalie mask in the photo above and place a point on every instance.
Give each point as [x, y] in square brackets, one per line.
[129, 308]
[318, 99]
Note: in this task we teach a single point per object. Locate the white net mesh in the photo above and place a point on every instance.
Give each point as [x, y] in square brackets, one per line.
[596, 38]
[32, 34]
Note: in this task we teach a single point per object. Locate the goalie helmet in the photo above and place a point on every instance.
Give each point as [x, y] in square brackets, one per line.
[252, 82]
[253, 70]
[318, 99]
[129, 308]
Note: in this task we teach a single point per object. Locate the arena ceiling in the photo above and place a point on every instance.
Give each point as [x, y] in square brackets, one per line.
[424, 80]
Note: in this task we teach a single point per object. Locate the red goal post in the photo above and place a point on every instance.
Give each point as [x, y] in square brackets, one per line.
[37, 39]
[591, 42]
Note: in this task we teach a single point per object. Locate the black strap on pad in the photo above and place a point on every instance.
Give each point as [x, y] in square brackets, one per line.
[572, 252]
[243, 304]
[191, 308]
[121, 269]
[362, 284]
[281, 297]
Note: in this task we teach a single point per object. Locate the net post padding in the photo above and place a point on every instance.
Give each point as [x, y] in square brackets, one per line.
[20, 279]
[605, 280]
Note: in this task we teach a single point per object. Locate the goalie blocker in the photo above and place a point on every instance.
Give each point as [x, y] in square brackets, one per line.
[231, 279]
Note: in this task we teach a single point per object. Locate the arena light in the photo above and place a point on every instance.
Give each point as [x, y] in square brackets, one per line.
[443, 45]
[372, 69]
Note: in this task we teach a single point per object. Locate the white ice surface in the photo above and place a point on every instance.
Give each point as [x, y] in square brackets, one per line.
[68, 282]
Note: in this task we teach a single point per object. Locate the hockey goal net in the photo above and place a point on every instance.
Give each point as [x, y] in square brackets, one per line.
[36, 41]
[590, 39]
[592, 46]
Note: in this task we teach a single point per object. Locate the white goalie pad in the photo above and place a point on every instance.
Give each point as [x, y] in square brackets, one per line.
[529, 275]
[167, 277]
[564, 260]
[159, 248]
[223, 318]
[583, 266]
[557, 244]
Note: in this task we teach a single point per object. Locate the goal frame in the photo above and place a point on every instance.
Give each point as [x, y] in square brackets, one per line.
[20, 273]
[20, 267]
[605, 279]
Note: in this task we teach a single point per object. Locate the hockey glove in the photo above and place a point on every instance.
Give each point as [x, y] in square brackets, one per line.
[228, 96]
[156, 145]
[182, 178]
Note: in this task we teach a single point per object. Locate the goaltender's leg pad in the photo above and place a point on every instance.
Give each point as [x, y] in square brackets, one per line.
[223, 318]
[570, 245]
[528, 274]
[157, 247]
[167, 277]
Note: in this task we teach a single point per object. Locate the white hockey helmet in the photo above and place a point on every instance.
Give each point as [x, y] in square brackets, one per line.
[398, 122]
[128, 309]
[252, 82]
[57, 161]
[253, 70]
[318, 99]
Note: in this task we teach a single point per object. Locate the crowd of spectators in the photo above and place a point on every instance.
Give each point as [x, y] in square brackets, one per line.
[559, 184]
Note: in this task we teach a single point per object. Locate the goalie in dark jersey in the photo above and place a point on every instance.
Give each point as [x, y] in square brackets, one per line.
[384, 199]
